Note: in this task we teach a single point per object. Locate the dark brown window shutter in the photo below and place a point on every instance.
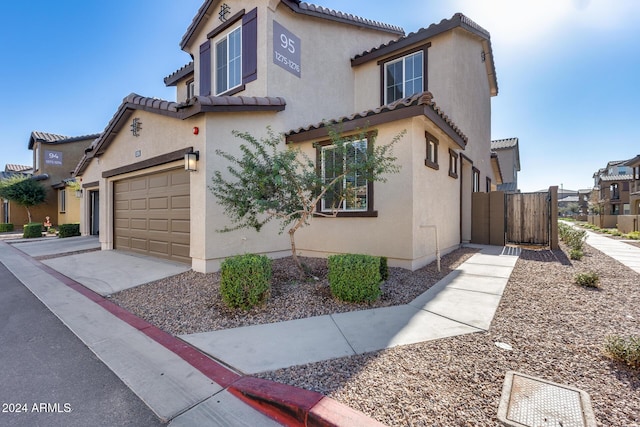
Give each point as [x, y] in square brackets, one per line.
[250, 46]
[205, 68]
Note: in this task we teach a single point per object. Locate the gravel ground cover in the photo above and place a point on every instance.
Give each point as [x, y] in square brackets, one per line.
[191, 302]
[556, 328]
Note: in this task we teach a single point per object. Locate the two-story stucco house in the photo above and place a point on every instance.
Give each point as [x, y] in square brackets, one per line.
[294, 66]
[634, 190]
[54, 160]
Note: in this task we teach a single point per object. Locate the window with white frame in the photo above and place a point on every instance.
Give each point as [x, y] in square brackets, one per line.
[228, 61]
[404, 77]
[476, 180]
[351, 190]
[453, 164]
[191, 89]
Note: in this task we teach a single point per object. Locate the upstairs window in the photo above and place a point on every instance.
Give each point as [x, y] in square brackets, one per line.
[229, 61]
[404, 77]
[453, 164]
[234, 57]
[614, 191]
[191, 91]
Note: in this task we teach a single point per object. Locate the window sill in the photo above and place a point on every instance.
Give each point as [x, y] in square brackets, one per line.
[453, 175]
[233, 91]
[431, 164]
[347, 214]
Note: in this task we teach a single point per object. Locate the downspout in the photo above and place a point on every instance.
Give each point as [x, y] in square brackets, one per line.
[437, 243]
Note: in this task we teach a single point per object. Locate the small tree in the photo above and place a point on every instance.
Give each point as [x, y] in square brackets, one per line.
[23, 191]
[269, 182]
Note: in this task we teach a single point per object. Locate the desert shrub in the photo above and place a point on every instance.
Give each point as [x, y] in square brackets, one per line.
[4, 227]
[245, 280]
[634, 235]
[576, 254]
[589, 280]
[33, 229]
[624, 349]
[68, 230]
[354, 277]
[573, 237]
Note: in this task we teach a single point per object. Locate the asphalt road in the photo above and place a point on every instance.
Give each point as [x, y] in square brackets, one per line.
[48, 377]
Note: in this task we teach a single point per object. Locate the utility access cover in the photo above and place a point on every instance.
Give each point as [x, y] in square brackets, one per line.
[533, 402]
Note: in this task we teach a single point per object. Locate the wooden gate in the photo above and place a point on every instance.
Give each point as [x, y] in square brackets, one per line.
[527, 216]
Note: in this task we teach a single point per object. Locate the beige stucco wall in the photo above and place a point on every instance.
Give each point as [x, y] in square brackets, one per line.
[507, 159]
[410, 206]
[72, 212]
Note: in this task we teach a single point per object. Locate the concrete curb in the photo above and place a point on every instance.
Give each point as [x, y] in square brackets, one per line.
[288, 405]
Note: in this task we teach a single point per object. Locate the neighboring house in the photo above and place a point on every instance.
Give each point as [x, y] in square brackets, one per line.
[8, 208]
[54, 159]
[613, 183]
[584, 196]
[293, 66]
[508, 152]
[634, 188]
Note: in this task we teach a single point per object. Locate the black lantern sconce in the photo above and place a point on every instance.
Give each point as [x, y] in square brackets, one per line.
[191, 161]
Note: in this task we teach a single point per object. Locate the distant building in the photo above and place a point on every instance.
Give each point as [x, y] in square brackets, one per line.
[508, 154]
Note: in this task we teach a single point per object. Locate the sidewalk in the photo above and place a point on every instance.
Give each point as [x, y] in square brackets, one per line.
[180, 384]
[463, 302]
[624, 253]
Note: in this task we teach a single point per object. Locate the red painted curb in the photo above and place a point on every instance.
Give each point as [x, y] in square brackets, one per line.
[286, 404]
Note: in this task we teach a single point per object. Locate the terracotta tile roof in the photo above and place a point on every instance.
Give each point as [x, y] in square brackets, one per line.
[457, 20]
[323, 12]
[298, 7]
[51, 138]
[500, 144]
[173, 78]
[617, 177]
[180, 111]
[424, 99]
[16, 168]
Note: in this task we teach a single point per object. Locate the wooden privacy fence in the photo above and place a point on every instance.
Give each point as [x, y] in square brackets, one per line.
[528, 218]
[519, 218]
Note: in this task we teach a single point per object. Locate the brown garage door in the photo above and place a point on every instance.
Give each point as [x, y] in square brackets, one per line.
[152, 215]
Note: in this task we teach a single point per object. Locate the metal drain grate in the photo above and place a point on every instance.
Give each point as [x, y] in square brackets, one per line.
[533, 402]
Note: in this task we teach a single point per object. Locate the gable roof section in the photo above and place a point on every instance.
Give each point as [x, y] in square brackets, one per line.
[181, 111]
[173, 78]
[16, 168]
[206, 11]
[457, 20]
[419, 104]
[633, 162]
[52, 138]
[507, 144]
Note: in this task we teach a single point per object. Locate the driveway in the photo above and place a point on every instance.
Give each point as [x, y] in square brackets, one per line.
[104, 272]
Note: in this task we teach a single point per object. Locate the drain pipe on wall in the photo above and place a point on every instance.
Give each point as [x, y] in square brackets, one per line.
[437, 243]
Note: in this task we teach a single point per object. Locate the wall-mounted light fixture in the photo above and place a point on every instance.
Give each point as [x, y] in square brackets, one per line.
[191, 160]
[79, 193]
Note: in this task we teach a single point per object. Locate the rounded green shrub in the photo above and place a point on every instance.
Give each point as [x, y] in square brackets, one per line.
[5, 227]
[69, 230]
[624, 349]
[576, 254]
[245, 280]
[33, 229]
[354, 277]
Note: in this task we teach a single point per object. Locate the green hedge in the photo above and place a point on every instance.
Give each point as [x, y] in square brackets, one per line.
[245, 280]
[69, 230]
[354, 277]
[33, 229]
[4, 227]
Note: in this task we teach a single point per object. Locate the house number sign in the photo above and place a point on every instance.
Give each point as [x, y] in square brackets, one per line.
[53, 158]
[286, 49]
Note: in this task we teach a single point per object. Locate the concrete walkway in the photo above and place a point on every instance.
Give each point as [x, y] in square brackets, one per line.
[626, 254]
[463, 302]
[180, 384]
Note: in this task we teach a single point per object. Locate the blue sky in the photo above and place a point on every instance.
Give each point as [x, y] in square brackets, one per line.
[567, 71]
